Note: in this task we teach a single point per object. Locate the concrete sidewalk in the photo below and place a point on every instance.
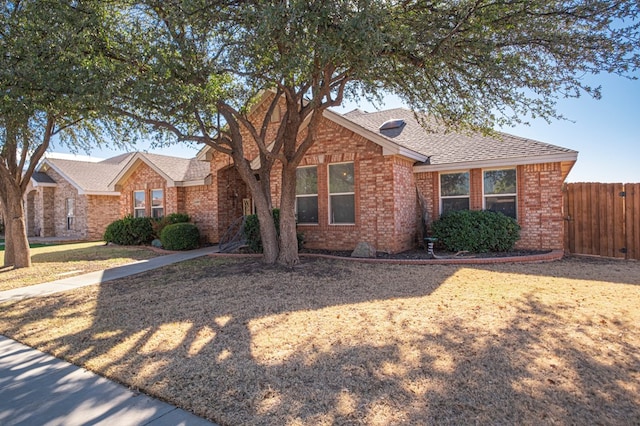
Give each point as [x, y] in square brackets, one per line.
[102, 276]
[38, 389]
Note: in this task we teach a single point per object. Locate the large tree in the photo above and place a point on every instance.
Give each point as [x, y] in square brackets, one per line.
[197, 66]
[53, 85]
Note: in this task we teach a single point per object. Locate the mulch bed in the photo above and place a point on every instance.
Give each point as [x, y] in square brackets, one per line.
[419, 254]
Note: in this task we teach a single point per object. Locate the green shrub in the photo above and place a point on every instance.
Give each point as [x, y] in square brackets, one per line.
[477, 231]
[252, 231]
[159, 224]
[130, 231]
[180, 236]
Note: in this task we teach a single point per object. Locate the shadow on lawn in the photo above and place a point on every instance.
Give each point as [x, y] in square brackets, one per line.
[336, 342]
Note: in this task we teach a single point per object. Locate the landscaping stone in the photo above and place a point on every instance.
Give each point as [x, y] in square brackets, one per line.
[364, 249]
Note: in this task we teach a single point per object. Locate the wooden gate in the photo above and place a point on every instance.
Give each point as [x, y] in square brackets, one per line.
[603, 219]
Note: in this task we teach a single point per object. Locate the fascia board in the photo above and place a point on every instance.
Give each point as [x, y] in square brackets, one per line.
[107, 193]
[126, 171]
[499, 162]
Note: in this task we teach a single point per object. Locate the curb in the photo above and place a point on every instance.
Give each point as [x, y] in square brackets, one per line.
[534, 258]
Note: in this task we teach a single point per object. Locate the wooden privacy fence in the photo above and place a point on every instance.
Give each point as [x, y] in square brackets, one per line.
[602, 219]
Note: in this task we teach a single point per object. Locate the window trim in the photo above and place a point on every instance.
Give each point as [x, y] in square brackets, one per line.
[329, 193]
[156, 207]
[143, 208]
[316, 195]
[451, 197]
[514, 194]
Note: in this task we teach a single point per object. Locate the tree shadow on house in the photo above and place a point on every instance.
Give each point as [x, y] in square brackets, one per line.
[339, 342]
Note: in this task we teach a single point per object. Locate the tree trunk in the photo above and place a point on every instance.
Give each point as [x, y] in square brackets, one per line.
[268, 234]
[261, 197]
[16, 243]
[288, 236]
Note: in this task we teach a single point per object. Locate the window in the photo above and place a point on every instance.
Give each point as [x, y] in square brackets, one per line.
[307, 194]
[454, 192]
[341, 194]
[139, 204]
[157, 203]
[70, 204]
[500, 191]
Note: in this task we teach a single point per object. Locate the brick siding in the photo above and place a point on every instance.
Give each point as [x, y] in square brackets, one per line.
[198, 201]
[539, 202]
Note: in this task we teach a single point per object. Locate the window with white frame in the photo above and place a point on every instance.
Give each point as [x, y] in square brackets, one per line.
[139, 204]
[342, 208]
[454, 192]
[500, 191]
[70, 204]
[157, 203]
[307, 195]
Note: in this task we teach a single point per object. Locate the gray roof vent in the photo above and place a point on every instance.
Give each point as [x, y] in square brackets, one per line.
[395, 123]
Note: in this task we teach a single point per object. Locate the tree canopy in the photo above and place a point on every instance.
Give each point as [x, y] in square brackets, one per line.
[196, 67]
[54, 83]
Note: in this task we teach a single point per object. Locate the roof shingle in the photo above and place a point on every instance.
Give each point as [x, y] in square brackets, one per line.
[448, 147]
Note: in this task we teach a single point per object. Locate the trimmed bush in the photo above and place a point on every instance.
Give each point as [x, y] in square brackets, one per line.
[180, 236]
[477, 231]
[159, 224]
[252, 231]
[130, 231]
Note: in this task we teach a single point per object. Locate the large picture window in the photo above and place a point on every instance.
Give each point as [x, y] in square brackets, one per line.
[139, 204]
[454, 192]
[342, 208]
[157, 203]
[500, 191]
[307, 194]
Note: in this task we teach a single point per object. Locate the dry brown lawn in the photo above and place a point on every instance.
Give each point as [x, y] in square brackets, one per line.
[335, 342]
[54, 262]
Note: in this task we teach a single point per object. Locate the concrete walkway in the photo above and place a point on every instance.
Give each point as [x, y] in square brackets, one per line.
[102, 276]
[38, 389]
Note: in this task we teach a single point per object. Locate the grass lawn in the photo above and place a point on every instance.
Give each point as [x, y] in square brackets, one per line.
[52, 262]
[335, 342]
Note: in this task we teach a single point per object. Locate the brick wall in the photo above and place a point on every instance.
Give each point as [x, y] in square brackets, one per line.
[101, 211]
[539, 200]
[144, 178]
[200, 202]
[377, 220]
[540, 206]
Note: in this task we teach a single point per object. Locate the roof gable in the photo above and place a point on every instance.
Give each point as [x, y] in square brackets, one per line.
[175, 170]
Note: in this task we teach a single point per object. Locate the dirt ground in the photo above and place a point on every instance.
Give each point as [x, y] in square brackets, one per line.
[336, 342]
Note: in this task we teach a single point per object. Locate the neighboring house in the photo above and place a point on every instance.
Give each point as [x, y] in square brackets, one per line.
[71, 199]
[373, 177]
[78, 199]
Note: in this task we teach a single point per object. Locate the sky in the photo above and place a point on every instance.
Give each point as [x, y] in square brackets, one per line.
[605, 132]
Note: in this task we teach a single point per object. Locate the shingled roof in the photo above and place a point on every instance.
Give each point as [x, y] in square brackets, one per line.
[177, 171]
[88, 177]
[40, 178]
[450, 150]
[100, 178]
